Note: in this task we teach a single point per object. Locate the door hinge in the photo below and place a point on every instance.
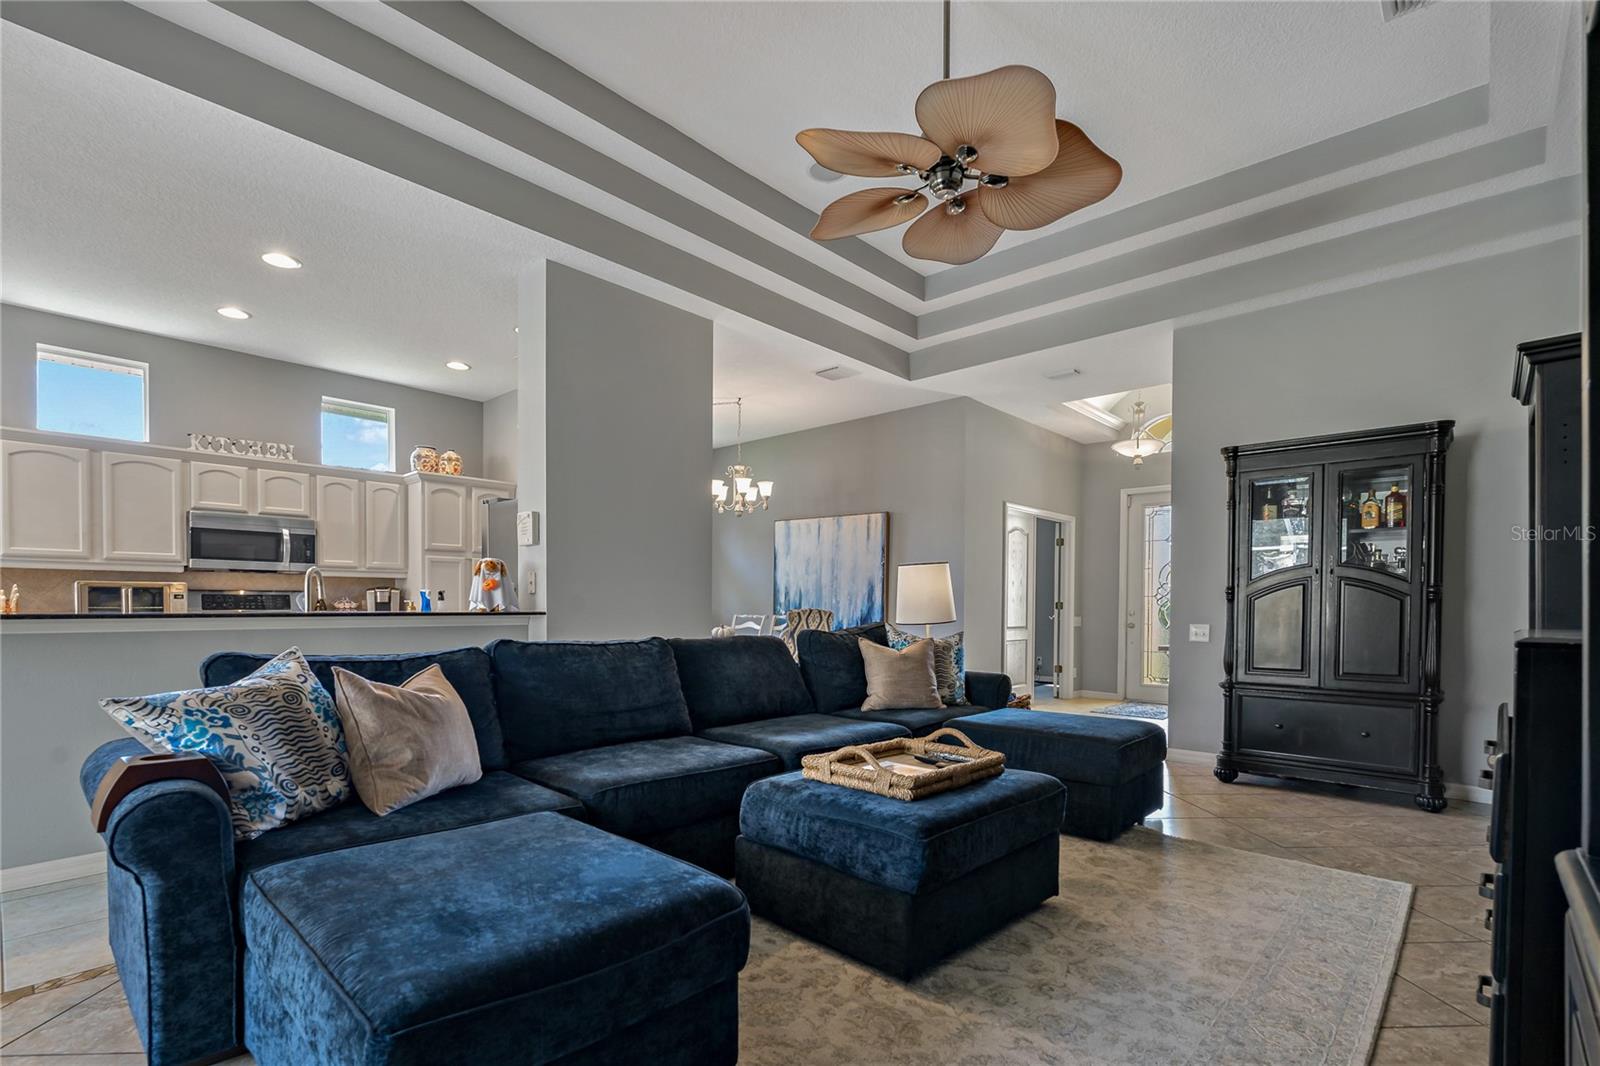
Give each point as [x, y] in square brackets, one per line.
[1058, 668]
[1060, 606]
[1061, 542]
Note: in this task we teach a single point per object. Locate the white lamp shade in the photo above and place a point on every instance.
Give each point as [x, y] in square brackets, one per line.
[719, 489]
[923, 594]
[741, 485]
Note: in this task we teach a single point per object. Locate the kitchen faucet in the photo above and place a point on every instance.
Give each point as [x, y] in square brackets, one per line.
[319, 603]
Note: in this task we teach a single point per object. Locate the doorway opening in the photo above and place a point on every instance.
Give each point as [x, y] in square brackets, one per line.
[1038, 601]
[1144, 660]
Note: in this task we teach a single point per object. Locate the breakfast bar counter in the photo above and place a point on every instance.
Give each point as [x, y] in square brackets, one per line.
[530, 622]
[55, 669]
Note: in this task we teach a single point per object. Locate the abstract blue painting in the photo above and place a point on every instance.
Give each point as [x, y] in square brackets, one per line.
[839, 563]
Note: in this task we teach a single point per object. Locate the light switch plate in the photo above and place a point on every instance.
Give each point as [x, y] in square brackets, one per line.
[1200, 633]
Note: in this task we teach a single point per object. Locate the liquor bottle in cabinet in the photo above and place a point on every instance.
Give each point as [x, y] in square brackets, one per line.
[1394, 508]
[1331, 656]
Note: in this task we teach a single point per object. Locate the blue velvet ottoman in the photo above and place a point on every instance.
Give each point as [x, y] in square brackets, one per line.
[535, 939]
[899, 885]
[1111, 766]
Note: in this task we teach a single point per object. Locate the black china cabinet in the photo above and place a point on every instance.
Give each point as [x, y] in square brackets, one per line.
[1335, 562]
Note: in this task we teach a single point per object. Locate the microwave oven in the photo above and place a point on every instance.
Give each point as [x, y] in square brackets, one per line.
[222, 540]
[130, 597]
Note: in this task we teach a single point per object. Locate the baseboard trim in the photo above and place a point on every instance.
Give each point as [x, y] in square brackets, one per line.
[1183, 755]
[1470, 793]
[1091, 694]
[48, 873]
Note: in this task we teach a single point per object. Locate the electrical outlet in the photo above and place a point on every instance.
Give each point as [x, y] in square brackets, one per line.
[1200, 633]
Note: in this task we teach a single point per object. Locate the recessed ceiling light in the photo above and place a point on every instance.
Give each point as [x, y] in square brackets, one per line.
[456, 364]
[281, 261]
[233, 312]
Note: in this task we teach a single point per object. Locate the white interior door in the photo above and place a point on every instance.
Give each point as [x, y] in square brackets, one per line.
[1061, 632]
[1018, 607]
[1147, 599]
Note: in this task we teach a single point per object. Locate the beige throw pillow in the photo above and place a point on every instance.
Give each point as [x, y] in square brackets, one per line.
[897, 680]
[407, 742]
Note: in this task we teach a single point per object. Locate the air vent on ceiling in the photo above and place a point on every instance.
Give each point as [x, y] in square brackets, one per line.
[837, 373]
[1393, 9]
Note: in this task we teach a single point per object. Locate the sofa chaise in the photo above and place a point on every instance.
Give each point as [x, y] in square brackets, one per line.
[650, 741]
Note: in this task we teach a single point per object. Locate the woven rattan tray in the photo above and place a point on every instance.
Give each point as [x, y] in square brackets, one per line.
[888, 767]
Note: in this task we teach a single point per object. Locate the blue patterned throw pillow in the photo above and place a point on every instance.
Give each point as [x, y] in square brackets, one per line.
[274, 735]
[949, 662]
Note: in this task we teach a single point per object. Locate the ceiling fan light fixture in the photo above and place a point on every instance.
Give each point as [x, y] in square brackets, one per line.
[1045, 168]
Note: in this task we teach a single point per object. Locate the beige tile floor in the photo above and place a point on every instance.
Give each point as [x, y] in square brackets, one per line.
[1431, 1018]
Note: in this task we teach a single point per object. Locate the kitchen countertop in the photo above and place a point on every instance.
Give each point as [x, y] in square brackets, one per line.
[364, 615]
[509, 622]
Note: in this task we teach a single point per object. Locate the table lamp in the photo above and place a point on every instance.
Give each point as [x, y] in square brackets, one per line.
[923, 596]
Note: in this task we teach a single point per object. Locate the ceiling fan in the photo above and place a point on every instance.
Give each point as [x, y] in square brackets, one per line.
[992, 153]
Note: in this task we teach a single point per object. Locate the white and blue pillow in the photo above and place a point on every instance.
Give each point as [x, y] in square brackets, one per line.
[274, 735]
[949, 662]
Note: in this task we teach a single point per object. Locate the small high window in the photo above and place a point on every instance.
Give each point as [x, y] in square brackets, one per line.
[92, 395]
[358, 435]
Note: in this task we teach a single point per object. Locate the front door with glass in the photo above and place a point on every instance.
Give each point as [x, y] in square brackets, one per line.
[1147, 622]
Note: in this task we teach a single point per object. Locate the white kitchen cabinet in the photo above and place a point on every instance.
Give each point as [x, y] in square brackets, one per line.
[340, 510]
[450, 573]
[283, 492]
[384, 509]
[444, 517]
[218, 487]
[141, 508]
[44, 502]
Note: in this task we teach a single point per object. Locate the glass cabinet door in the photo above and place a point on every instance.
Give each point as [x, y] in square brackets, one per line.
[1279, 521]
[1374, 518]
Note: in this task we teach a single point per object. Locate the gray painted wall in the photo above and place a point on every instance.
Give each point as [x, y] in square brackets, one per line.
[1432, 345]
[943, 471]
[1007, 461]
[202, 389]
[1105, 475]
[500, 437]
[627, 418]
[906, 462]
[51, 685]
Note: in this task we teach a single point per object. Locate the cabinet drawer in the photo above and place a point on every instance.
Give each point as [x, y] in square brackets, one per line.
[1356, 734]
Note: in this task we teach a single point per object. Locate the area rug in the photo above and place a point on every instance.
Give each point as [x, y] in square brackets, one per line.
[1158, 950]
[1134, 710]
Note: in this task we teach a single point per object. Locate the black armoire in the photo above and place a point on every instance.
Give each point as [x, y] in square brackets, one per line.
[1335, 564]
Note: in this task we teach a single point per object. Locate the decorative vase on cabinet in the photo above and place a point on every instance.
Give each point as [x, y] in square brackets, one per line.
[1331, 659]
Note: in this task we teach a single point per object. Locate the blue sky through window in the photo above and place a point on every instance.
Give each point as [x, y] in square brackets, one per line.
[356, 436]
[75, 395]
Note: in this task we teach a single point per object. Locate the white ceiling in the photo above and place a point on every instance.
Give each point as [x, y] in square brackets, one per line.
[1178, 92]
[1035, 387]
[776, 376]
[128, 201]
[125, 201]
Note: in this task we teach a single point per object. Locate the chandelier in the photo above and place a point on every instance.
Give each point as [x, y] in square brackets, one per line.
[748, 493]
[1141, 443]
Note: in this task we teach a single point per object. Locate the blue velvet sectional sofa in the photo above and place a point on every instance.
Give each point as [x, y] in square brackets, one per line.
[653, 741]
